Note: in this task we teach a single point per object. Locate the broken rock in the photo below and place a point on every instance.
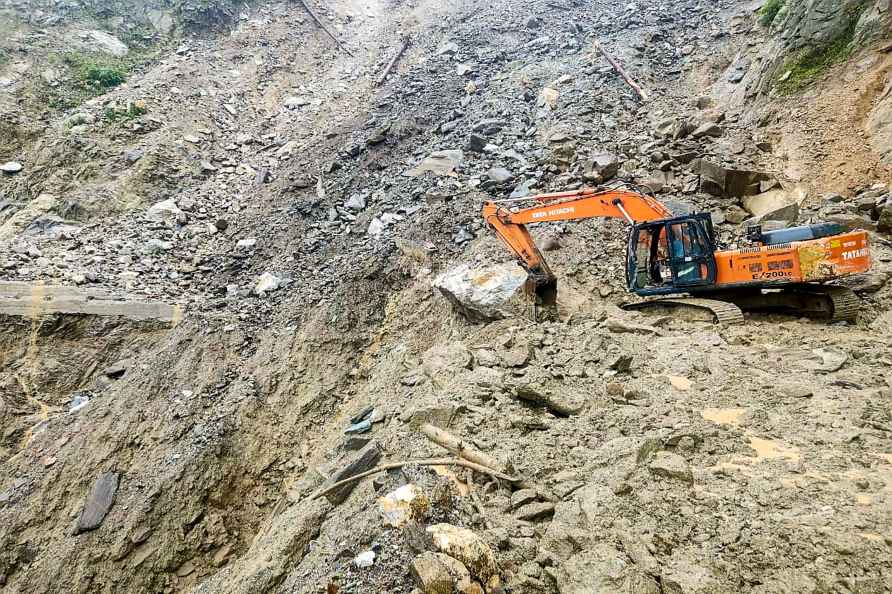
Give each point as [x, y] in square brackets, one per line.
[720, 181]
[672, 466]
[468, 548]
[603, 570]
[436, 573]
[439, 163]
[484, 294]
[99, 502]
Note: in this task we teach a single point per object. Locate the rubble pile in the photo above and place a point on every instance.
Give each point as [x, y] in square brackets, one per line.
[306, 216]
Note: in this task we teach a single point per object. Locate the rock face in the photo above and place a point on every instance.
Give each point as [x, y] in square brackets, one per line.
[484, 294]
[98, 503]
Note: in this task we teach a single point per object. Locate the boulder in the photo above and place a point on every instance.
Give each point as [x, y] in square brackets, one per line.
[166, 212]
[603, 570]
[439, 163]
[484, 294]
[436, 573]
[559, 401]
[602, 167]
[102, 42]
[730, 183]
[776, 205]
[32, 211]
[884, 222]
[468, 548]
[672, 466]
[708, 129]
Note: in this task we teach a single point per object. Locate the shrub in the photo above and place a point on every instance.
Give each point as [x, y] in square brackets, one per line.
[769, 11]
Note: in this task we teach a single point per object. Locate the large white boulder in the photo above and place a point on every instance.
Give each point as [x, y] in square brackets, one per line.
[484, 294]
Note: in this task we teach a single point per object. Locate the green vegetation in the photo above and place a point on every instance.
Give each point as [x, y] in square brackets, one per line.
[96, 73]
[806, 66]
[132, 110]
[769, 11]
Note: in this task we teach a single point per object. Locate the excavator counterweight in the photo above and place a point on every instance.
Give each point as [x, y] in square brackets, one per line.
[672, 255]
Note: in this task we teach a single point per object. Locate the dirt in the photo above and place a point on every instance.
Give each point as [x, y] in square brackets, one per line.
[721, 459]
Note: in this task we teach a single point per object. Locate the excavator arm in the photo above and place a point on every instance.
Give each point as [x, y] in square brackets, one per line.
[510, 225]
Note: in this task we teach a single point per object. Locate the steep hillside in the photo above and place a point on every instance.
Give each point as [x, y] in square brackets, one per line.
[220, 236]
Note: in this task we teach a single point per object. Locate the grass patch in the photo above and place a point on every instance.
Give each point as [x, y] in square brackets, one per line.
[769, 11]
[131, 110]
[96, 73]
[807, 65]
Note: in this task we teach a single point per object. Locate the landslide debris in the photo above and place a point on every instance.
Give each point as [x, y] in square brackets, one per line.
[299, 214]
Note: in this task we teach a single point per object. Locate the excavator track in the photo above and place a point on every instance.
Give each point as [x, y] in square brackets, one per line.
[723, 312]
[835, 304]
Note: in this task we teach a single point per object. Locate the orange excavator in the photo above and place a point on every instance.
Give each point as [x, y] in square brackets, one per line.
[671, 255]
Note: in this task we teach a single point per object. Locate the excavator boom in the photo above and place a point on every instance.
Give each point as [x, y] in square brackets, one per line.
[587, 203]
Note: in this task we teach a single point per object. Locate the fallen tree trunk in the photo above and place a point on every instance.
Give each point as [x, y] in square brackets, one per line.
[393, 62]
[619, 69]
[425, 462]
[459, 448]
[323, 27]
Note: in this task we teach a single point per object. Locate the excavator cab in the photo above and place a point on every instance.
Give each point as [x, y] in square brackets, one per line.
[671, 255]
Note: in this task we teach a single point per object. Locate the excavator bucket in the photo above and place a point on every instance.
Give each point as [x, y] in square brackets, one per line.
[543, 290]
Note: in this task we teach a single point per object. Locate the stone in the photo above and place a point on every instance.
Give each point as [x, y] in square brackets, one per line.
[562, 402]
[366, 459]
[476, 143]
[469, 549]
[884, 222]
[356, 202]
[535, 511]
[293, 102]
[483, 294]
[499, 175]
[436, 573]
[523, 497]
[166, 212]
[11, 167]
[708, 129]
[447, 49]
[603, 570]
[397, 506]
[364, 560]
[776, 205]
[440, 163]
[671, 466]
[601, 167]
[549, 98]
[731, 183]
[103, 42]
[99, 502]
[442, 363]
[266, 283]
[735, 214]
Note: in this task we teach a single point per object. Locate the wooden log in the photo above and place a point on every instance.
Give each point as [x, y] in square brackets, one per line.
[619, 69]
[425, 462]
[342, 485]
[393, 62]
[459, 448]
[323, 27]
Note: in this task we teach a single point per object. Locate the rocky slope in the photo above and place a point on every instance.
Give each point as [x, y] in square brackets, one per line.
[297, 207]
